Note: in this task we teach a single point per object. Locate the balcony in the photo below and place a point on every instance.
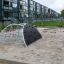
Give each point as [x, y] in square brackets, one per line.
[7, 8]
[7, 5]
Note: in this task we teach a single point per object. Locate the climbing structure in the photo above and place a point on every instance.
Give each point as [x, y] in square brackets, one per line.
[23, 33]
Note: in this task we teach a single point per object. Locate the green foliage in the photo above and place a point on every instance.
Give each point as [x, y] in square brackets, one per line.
[62, 13]
[61, 24]
[1, 26]
[49, 24]
[42, 24]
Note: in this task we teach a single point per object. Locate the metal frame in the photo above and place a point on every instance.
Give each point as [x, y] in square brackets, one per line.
[5, 35]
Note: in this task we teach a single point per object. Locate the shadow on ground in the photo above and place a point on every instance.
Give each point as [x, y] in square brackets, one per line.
[9, 62]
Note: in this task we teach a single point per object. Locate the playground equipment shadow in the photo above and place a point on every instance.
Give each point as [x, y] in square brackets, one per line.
[9, 62]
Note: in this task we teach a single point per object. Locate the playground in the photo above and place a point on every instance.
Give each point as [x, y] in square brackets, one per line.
[47, 50]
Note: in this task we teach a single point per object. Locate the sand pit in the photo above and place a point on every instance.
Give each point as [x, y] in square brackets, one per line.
[47, 50]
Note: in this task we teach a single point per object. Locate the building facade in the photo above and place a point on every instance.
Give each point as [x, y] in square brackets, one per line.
[24, 11]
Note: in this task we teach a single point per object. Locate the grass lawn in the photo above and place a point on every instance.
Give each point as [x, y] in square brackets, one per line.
[42, 24]
[49, 24]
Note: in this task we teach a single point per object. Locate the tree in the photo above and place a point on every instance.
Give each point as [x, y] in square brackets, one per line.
[62, 13]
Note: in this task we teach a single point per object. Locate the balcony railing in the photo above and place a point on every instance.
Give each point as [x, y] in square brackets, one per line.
[7, 8]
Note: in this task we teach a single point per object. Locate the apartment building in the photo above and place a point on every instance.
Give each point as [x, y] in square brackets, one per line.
[24, 10]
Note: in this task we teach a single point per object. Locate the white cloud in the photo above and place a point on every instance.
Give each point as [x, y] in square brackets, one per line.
[56, 5]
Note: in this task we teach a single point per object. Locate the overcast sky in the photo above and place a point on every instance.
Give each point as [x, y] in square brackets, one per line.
[56, 5]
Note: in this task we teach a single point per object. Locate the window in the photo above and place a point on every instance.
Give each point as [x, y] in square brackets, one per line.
[14, 14]
[15, 1]
[20, 2]
[5, 3]
[25, 1]
[20, 6]
[10, 4]
[7, 14]
[38, 5]
[25, 8]
[31, 2]
[14, 5]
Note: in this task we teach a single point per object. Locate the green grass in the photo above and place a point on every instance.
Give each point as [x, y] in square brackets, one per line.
[42, 24]
[1, 27]
[49, 24]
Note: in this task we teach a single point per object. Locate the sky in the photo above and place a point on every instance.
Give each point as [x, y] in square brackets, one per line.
[56, 5]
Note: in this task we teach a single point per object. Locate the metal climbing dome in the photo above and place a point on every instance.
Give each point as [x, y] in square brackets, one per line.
[23, 33]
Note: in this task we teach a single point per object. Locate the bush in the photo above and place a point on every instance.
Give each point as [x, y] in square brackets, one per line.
[61, 24]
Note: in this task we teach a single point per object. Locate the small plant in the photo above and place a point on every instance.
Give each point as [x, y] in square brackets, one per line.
[61, 24]
[2, 26]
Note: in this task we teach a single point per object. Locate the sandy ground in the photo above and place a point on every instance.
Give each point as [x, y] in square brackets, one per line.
[48, 50]
[9, 62]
